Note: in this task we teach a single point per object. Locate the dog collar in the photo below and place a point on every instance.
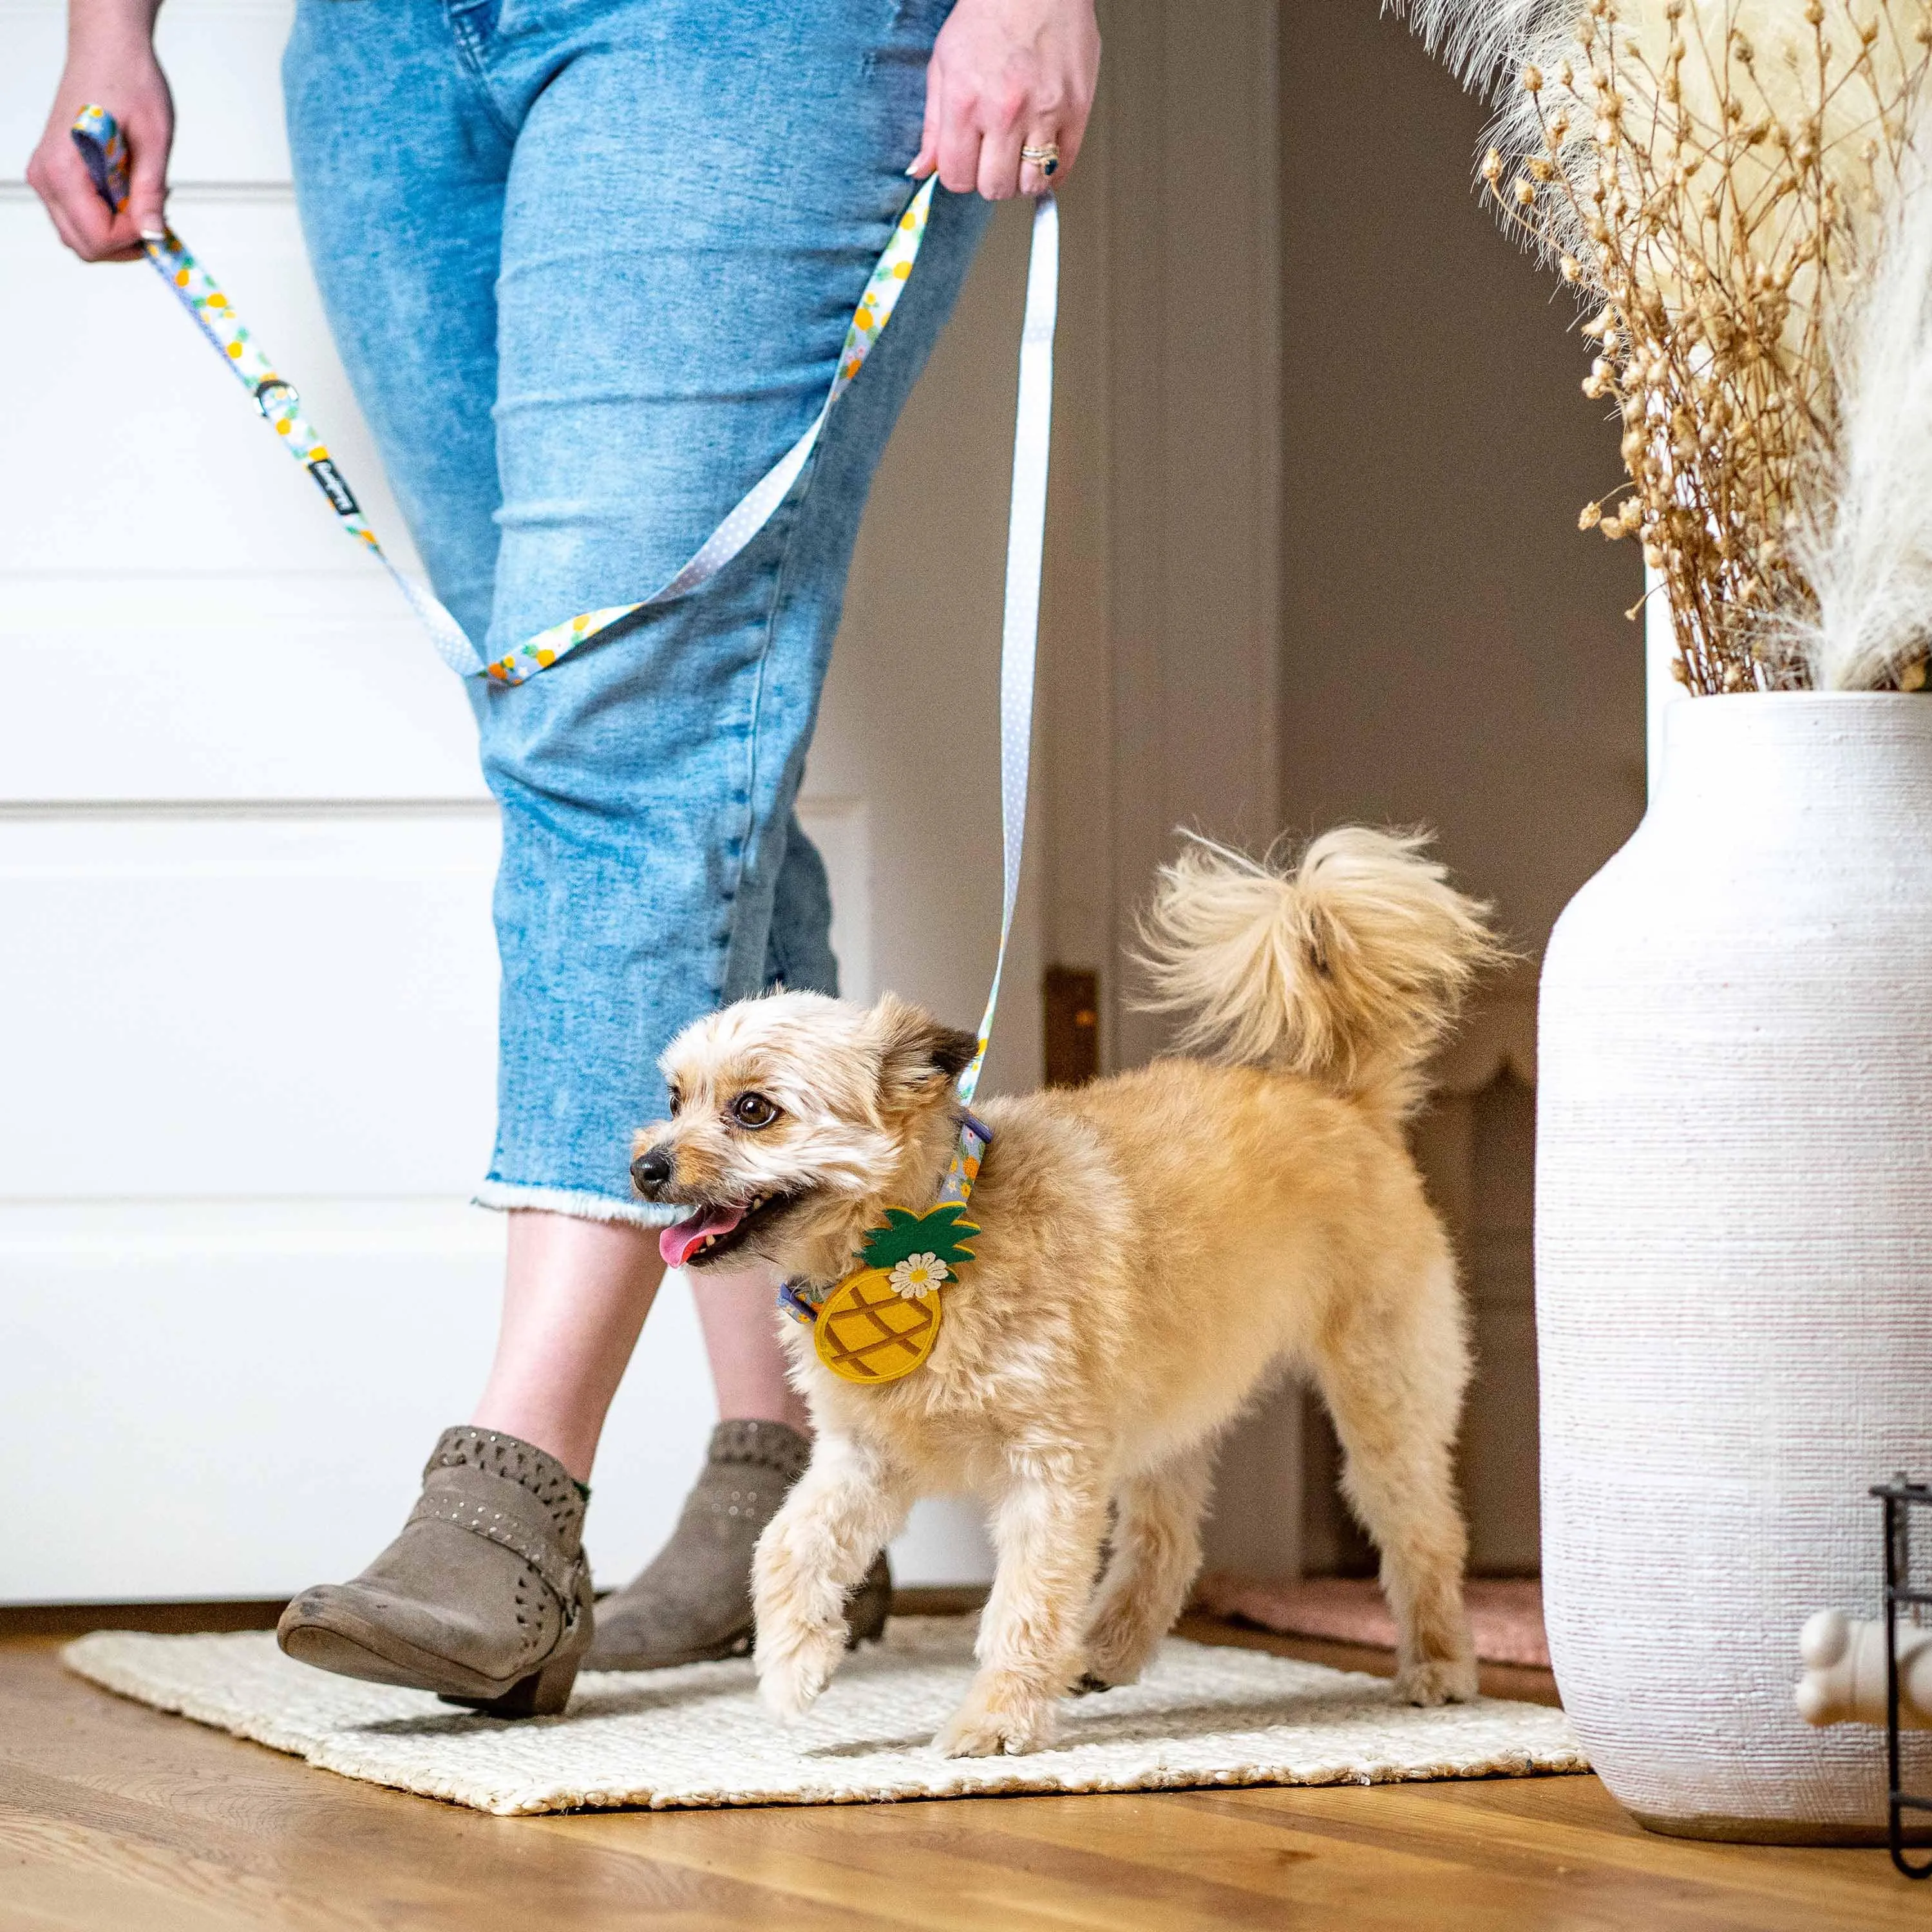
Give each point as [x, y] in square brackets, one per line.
[880, 1320]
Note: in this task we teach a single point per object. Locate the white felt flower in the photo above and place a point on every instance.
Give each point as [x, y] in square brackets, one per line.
[917, 1274]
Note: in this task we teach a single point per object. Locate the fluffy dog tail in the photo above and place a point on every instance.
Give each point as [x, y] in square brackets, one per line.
[1348, 965]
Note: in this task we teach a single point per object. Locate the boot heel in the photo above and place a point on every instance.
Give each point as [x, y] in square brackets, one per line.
[494, 1544]
[543, 1693]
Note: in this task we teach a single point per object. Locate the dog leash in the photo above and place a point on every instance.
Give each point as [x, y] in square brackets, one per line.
[104, 150]
[878, 1322]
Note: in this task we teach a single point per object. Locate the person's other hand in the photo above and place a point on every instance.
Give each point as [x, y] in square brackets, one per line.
[110, 63]
[1007, 74]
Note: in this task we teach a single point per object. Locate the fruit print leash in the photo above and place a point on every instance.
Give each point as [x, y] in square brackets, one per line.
[880, 1321]
[104, 149]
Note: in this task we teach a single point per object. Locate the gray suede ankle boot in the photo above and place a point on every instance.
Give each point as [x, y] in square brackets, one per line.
[485, 1596]
[694, 1602]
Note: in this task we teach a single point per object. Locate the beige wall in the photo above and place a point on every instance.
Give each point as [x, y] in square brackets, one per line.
[1451, 650]
[1454, 651]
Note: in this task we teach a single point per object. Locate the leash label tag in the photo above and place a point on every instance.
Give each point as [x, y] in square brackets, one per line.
[328, 480]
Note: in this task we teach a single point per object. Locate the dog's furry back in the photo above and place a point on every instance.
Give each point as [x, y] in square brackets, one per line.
[1347, 965]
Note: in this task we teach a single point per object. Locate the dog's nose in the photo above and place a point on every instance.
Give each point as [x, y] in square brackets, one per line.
[650, 1170]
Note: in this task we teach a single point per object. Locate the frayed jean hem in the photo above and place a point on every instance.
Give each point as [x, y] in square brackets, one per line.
[507, 1195]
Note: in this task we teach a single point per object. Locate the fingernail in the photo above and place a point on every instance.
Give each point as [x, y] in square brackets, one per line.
[154, 235]
[912, 172]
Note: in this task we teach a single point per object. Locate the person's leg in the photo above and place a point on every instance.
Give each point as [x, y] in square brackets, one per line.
[645, 781]
[748, 1367]
[696, 202]
[575, 1295]
[697, 198]
[577, 1292]
[399, 171]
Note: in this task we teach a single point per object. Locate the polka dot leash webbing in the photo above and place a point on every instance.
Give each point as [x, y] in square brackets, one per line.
[104, 149]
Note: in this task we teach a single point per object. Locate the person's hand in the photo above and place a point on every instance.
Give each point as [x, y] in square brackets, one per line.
[1007, 74]
[111, 63]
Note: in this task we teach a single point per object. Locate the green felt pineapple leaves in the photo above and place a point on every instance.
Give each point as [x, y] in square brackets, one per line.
[940, 1231]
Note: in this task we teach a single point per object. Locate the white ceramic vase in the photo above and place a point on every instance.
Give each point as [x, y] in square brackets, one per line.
[1734, 1254]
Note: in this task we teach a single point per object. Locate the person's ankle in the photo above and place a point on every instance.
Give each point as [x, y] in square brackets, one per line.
[793, 1415]
[542, 1431]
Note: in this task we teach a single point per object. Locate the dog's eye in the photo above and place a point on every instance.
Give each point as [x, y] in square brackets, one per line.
[753, 1110]
[676, 1099]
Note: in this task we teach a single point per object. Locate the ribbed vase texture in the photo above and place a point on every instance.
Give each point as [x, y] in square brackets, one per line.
[1734, 1254]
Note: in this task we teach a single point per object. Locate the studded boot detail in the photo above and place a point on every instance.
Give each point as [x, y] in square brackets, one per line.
[485, 1598]
[693, 1601]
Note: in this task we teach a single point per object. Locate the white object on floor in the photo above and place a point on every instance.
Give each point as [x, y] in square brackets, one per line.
[1844, 1672]
[697, 1736]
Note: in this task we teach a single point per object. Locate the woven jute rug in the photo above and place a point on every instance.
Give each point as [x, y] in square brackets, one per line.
[1204, 1714]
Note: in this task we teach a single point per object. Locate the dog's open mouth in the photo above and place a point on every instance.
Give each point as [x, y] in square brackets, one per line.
[712, 1233]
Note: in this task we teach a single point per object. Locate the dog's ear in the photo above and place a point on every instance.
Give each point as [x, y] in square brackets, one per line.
[916, 1051]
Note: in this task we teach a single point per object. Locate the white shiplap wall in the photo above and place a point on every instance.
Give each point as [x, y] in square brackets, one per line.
[247, 1076]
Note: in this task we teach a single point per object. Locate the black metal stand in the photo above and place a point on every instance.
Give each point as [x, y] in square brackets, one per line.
[1900, 1496]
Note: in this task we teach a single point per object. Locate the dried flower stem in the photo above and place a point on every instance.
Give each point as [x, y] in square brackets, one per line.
[1712, 202]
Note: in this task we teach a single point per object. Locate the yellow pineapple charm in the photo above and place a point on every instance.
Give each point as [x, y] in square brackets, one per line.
[880, 1322]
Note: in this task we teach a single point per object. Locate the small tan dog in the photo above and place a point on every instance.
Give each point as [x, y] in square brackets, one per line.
[1153, 1248]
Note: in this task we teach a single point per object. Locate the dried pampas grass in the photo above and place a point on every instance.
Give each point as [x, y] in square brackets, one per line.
[1862, 539]
[1715, 178]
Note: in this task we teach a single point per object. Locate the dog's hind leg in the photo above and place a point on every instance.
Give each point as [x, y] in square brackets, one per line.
[1047, 1529]
[1156, 1550]
[850, 1503]
[1392, 1371]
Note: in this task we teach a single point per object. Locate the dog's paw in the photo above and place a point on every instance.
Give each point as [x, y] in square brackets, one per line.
[794, 1670]
[1441, 1680]
[1000, 1719]
[1119, 1649]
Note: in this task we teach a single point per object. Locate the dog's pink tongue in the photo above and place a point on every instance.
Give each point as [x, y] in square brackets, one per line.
[677, 1244]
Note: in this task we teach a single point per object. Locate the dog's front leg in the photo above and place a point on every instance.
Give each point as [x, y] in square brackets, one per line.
[1048, 1530]
[848, 1506]
[1157, 1551]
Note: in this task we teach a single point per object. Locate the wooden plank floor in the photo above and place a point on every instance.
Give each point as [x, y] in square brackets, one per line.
[114, 1818]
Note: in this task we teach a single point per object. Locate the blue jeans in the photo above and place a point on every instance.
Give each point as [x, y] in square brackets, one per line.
[589, 263]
